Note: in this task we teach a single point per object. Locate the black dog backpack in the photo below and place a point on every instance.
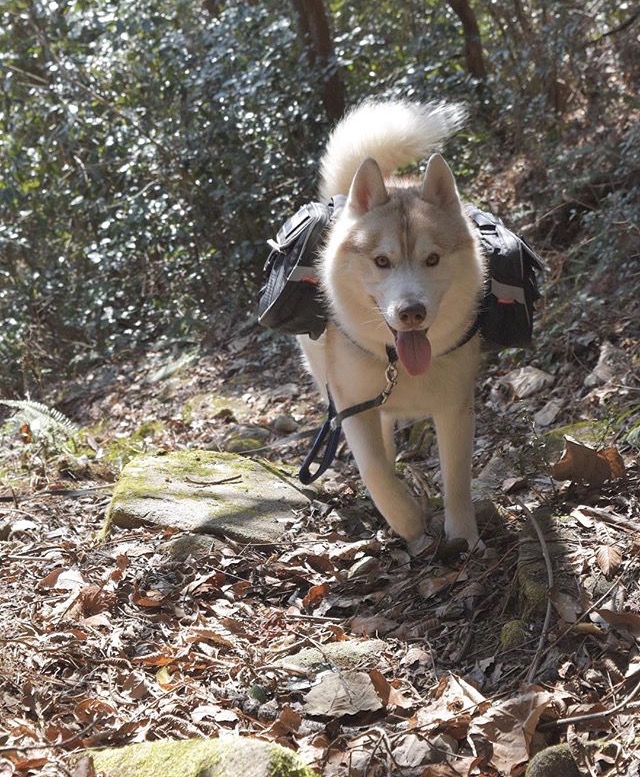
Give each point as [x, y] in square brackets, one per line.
[291, 301]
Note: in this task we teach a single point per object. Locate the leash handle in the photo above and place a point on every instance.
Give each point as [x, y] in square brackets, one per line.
[305, 475]
[332, 426]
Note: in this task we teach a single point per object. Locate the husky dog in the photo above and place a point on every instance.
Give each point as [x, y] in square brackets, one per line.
[401, 268]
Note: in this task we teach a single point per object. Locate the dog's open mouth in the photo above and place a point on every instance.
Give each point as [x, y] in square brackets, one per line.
[414, 350]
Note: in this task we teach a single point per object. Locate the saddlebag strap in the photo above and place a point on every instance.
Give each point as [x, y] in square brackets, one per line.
[330, 430]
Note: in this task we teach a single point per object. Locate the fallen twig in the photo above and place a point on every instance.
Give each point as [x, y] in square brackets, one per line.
[547, 618]
[628, 699]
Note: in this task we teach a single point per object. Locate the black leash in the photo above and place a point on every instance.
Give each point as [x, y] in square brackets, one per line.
[332, 427]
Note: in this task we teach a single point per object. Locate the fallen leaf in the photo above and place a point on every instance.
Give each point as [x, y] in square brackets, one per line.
[630, 621]
[369, 625]
[150, 598]
[412, 751]
[567, 606]
[456, 701]
[349, 550]
[581, 463]
[548, 414]
[526, 381]
[30, 763]
[509, 727]
[613, 364]
[89, 710]
[217, 635]
[432, 585]
[445, 770]
[226, 716]
[416, 655]
[166, 679]
[93, 599]
[342, 693]
[581, 515]
[135, 686]
[389, 693]
[84, 767]
[287, 722]
[608, 558]
[62, 579]
[204, 711]
[315, 595]
[511, 485]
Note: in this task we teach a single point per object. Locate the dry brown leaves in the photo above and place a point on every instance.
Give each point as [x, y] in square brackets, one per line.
[134, 640]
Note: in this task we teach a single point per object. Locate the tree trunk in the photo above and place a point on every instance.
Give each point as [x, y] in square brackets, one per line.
[474, 58]
[313, 23]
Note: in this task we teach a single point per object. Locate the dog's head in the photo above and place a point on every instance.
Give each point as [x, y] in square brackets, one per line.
[403, 262]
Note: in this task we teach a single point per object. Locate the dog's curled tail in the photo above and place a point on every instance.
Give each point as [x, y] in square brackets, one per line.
[395, 133]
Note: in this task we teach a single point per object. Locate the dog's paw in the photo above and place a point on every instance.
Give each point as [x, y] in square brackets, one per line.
[464, 530]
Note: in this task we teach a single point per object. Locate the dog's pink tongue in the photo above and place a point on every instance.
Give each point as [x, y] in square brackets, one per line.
[414, 351]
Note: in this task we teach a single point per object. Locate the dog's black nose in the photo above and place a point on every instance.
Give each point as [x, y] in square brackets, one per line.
[413, 315]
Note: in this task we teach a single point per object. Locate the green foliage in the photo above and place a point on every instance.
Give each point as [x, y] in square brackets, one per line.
[149, 148]
[40, 431]
[46, 416]
[144, 147]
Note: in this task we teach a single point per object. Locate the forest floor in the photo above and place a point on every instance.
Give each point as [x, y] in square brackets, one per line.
[464, 668]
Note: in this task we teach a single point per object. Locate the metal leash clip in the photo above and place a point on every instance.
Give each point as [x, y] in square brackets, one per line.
[391, 374]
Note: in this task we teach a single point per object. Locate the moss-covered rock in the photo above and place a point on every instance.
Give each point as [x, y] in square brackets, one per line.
[230, 757]
[555, 761]
[592, 433]
[534, 587]
[513, 635]
[205, 492]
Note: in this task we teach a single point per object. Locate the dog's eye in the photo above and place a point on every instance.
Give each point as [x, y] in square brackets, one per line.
[382, 261]
[432, 260]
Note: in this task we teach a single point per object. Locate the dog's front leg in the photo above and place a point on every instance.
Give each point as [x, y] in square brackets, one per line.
[455, 428]
[366, 438]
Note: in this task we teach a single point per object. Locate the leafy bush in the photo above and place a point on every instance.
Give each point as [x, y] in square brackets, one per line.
[150, 147]
[145, 146]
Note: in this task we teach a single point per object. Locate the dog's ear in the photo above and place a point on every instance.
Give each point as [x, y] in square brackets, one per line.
[439, 185]
[367, 188]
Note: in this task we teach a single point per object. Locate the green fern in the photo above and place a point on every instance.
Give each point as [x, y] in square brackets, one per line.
[49, 415]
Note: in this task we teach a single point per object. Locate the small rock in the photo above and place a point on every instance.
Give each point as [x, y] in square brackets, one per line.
[194, 545]
[548, 414]
[205, 492]
[245, 439]
[284, 424]
[513, 635]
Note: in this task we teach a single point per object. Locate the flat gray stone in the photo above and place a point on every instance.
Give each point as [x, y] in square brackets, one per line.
[206, 492]
[347, 654]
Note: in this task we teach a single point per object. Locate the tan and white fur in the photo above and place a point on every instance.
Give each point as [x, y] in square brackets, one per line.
[400, 266]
